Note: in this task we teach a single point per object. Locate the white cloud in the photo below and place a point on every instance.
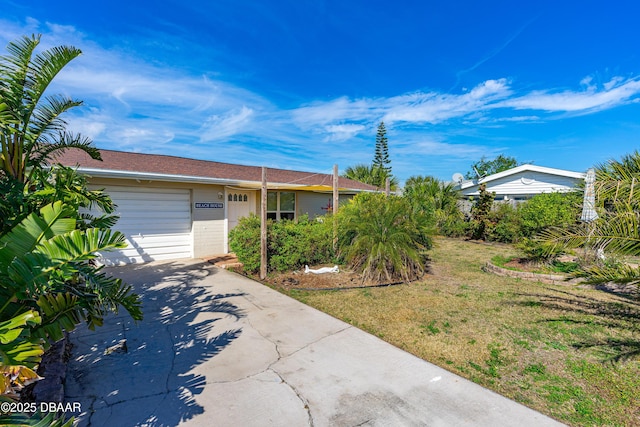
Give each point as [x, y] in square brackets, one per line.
[222, 126]
[342, 132]
[613, 93]
[133, 104]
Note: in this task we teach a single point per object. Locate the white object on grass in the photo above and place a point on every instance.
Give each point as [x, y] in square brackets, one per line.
[322, 270]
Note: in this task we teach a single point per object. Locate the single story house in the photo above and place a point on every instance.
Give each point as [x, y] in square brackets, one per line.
[523, 182]
[174, 207]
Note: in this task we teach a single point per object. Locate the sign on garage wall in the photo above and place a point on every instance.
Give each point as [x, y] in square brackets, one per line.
[209, 205]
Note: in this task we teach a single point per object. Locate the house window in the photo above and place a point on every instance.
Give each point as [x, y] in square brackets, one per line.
[235, 197]
[281, 205]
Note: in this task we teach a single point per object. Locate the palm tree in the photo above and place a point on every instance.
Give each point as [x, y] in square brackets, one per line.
[32, 129]
[370, 174]
[381, 238]
[616, 231]
[436, 199]
[49, 281]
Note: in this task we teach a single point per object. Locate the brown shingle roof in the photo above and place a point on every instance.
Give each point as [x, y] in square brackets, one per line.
[180, 166]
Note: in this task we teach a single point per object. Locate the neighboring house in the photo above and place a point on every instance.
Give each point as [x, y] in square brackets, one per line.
[173, 207]
[523, 182]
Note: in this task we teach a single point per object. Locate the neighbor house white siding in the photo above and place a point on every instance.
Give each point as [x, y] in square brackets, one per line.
[525, 181]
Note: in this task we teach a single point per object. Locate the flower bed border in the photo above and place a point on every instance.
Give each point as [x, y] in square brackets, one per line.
[549, 279]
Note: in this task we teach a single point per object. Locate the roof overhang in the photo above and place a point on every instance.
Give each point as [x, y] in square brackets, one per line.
[249, 185]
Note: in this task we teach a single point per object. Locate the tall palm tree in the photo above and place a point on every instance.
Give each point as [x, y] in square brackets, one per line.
[32, 129]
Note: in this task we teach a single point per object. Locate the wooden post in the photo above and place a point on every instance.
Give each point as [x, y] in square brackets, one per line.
[336, 201]
[263, 226]
[387, 187]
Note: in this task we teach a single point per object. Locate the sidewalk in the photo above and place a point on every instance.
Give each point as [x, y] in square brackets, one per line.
[218, 349]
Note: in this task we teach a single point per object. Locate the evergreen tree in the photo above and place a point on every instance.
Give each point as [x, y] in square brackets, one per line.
[381, 158]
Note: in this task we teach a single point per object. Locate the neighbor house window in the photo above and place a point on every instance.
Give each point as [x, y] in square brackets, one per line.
[281, 205]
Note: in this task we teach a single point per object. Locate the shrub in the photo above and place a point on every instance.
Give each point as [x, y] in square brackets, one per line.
[549, 209]
[539, 251]
[382, 237]
[290, 244]
[293, 244]
[505, 224]
[244, 241]
[480, 214]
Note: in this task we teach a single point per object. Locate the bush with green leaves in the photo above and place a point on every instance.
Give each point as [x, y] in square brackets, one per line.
[244, 241]
[294, 244]
[290, 244]
[481, 223]
[542, 212]
[549, 209]
[383, 237]
[505, 224]
[437, 200]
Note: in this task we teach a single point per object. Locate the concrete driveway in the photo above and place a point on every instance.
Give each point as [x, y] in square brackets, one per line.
[218, 349]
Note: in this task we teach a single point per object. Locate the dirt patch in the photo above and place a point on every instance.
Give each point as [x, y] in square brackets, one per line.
[344, 279]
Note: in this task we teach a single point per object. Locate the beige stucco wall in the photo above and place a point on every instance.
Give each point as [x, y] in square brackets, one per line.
[208, 224]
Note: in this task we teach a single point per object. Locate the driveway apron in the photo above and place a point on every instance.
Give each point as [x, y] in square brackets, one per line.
[218, 349]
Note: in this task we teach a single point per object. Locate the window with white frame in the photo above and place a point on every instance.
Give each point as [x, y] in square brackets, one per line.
[281, 205]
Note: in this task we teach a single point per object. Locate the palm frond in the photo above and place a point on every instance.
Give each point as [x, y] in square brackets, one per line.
[16, 347]
[52, 219]
[46, 65]
[109, 293]
[47, 120]
[619, 273]
[60, 312]
[48, 419]
[64, 141]
[617, 232]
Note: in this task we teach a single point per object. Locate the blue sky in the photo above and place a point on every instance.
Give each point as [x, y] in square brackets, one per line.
[303, 85]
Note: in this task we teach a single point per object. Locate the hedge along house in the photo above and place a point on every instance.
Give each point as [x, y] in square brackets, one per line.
[518, 184]
[173, 207]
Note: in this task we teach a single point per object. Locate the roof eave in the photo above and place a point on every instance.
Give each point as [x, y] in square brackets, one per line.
[112, 173]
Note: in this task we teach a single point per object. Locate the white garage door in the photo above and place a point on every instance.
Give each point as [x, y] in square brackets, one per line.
[155, 222]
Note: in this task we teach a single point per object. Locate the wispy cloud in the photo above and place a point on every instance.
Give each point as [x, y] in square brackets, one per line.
[131, 104]
[492, 53]
[616, 92]
[222, 126]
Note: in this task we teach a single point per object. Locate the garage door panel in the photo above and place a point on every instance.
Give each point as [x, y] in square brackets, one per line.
[158, 218]
[146, 229]
[149, 205]
[156, 224]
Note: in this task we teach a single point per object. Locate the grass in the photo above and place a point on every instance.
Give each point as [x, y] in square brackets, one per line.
[555, 267]
[568, 352]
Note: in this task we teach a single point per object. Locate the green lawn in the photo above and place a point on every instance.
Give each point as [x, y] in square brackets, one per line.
[562, 350]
